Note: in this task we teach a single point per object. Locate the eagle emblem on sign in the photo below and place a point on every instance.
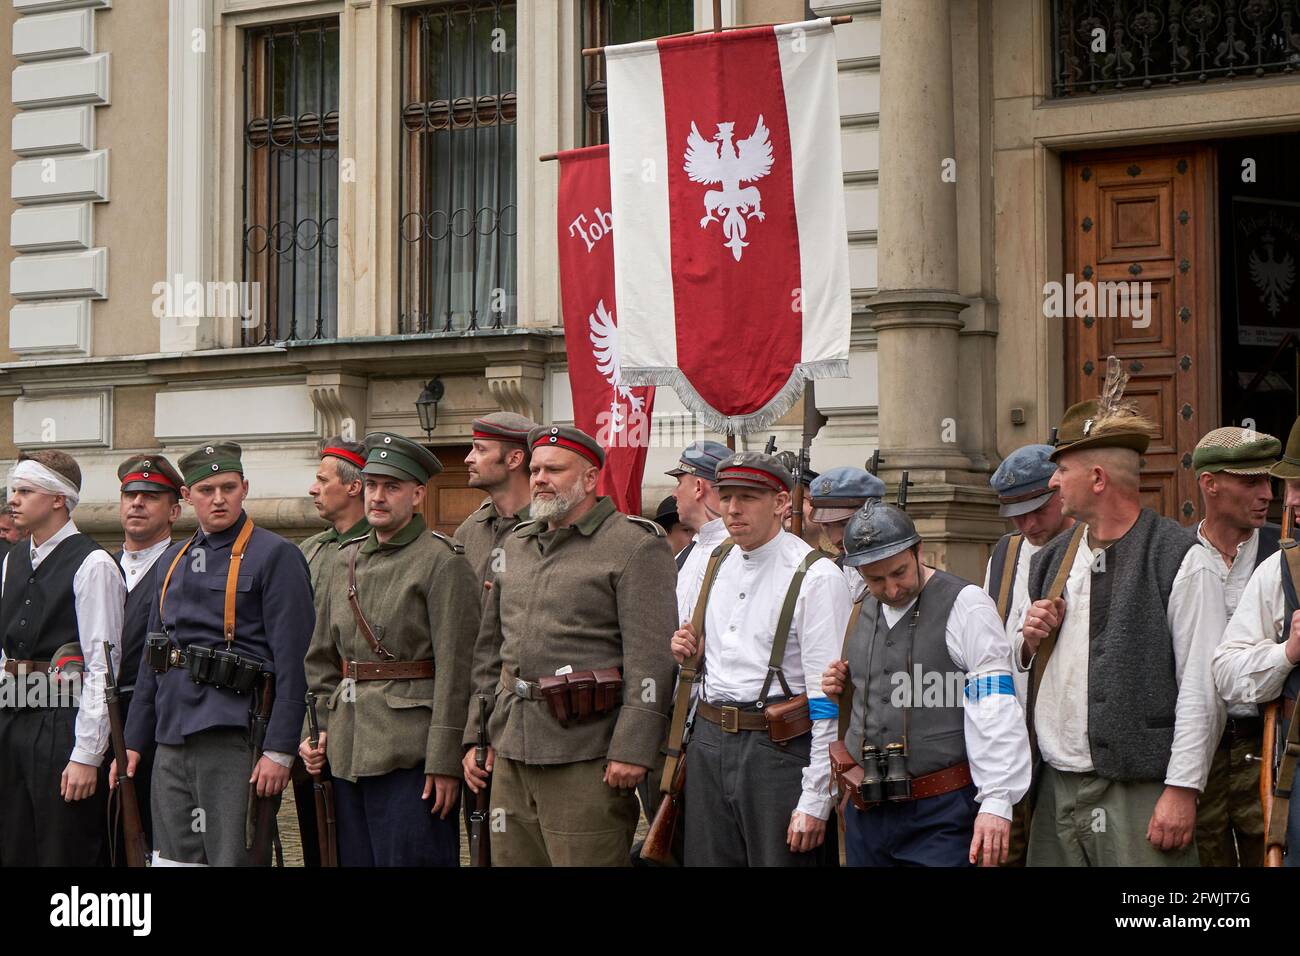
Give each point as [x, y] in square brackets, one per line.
[604, 346]
[729, 164]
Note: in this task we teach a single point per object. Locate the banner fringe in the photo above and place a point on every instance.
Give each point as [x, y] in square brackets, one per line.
[711, 418]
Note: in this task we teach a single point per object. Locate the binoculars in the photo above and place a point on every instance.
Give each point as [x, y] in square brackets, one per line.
[896, 783]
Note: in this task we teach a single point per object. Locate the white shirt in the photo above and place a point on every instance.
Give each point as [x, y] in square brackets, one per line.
[1196, 619]
[740, 625]
[691, 575]
[1249, 663]
[100, 597]
[997, 740]
[1019, 601]
[855, 582]
[1235, 576]
[136, 564]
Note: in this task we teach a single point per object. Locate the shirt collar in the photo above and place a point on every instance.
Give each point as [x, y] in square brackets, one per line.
[146, 554]
[1200, 534]
[711, 533]
[222, 539]
[54, 540]
[766, 551]
[414, 528]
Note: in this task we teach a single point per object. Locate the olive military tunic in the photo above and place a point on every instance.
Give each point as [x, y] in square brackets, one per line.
[482, 533]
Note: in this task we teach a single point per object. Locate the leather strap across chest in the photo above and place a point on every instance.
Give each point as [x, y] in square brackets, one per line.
[1048, 644]
[232, 578]
[1014, 543]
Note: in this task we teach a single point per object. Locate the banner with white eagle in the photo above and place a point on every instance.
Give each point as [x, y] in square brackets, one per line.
[731, 266]
[617, 416]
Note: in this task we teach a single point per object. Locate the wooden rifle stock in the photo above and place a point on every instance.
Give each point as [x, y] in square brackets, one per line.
[658, 845]
[1270, 751]
[322, 794]
[137, 847]
[480, 846]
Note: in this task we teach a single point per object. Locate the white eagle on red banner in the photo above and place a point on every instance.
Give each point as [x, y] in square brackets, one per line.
[730, 164]
[604, 346]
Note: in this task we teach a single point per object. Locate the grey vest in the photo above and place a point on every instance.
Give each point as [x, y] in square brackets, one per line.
[935, 734]
[1132, 688]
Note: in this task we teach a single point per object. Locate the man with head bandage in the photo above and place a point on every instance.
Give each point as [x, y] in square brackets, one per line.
[61, 599]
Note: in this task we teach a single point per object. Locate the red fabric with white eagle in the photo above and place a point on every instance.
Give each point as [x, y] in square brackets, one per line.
[618, 417]
[727, 178]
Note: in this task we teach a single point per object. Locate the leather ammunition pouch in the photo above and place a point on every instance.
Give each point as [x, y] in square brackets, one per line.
[206, 665]
[847, 775]
[572, 697]
[788, 719]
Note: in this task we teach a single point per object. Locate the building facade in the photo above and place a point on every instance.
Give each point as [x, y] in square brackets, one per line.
[278, 220]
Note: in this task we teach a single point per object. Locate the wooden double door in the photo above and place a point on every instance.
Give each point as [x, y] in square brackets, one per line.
[1139, 216]
[448, 499]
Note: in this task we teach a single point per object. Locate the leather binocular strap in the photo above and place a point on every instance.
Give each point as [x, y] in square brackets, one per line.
[1008, 574]
[232, 580]
[167, 580]
[846, 698]
[1048, 643]
[362, 624]
[387, 670]
[690, 670]
[783, 622]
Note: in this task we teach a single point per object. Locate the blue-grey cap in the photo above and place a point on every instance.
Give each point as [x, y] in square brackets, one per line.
[1021, 480]
[838, 492]
[701, 459]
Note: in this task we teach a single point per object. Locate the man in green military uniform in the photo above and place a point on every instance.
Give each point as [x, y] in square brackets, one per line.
[498, 463]
[574, 651]
[339, 498]
[393, 665]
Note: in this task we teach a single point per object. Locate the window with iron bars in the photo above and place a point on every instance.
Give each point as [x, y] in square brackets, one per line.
[1106, 46]
[456, 259]
[610, 22]
[291, 175]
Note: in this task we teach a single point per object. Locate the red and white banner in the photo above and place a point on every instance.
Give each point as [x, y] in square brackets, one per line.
[732, 259]
[617, 416]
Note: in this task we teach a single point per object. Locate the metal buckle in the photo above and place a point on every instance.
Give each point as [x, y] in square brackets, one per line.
[521, 689]
[730, 722]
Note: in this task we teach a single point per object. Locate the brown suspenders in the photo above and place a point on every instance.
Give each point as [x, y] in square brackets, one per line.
[232, 578]
[1008, 575]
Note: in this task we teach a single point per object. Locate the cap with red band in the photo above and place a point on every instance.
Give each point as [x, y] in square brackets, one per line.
[355, 458]
[148, 473]
[504, 427]
[752, 469]
[565, 436]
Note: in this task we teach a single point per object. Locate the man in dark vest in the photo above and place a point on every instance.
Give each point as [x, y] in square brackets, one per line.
[62, 599]
[769, 620]
[931, 711]
[498, 464]
[1021, 483]
[217, 634]
[1125, 614]
[149, 505]
[1232, 467]
[393, 671]
[1256, 660]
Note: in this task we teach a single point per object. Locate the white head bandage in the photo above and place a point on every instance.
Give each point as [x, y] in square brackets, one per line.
[33, 476]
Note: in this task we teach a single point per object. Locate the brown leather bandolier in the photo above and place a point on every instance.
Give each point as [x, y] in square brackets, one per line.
[1276, 815]
[389, 668]
[1008, 575]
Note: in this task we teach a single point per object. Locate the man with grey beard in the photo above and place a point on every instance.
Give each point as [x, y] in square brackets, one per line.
[575, 633]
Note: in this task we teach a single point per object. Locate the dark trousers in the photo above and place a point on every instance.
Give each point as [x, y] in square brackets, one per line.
[37, 827]
[382, 821]
[740, 791]
[304, 804]
[934, 831]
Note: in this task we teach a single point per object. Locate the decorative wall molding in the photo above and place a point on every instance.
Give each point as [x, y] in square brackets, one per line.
[518, 388]
[65, 419]
[340, 403]
[58, 83]
[187, 415]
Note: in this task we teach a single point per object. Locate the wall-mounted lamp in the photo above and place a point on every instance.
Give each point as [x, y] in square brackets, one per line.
[426, 406]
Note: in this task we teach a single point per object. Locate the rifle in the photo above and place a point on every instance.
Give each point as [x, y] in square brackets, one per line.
[813, 420]
[903, 485]
[1273, 745]
[480, 847]
[323, 792]
[770, 448]
[137, 847]
[659, 839]
[264, 807]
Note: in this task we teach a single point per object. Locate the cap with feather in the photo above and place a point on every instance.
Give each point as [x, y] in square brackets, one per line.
[1108, 421]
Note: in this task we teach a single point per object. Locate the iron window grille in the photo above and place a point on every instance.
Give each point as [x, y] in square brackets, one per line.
[1103, 46]
[291, 174]
[609, 22]
[456, 261]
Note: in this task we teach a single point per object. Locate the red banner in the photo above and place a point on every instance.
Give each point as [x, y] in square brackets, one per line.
[617, 416]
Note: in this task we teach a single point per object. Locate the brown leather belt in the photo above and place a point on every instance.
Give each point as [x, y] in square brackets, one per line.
[27, 667]
[732, 720]
[387, 670]
[848, 776]
[523, 689]
[942, 781]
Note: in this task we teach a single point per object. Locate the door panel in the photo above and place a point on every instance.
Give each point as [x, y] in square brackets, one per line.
[448, 499]
[1147, 215]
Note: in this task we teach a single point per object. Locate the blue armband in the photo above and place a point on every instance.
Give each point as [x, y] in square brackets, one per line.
[821, 708]
[989, 684]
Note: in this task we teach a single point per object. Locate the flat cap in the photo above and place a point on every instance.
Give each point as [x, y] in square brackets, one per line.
[753, 469]
[666, 514]
[1075, 432]
[701, 459]
[838, 492]
[211, 459]
[505, 427]
[566, 436]
[1021, 480]
[1288, 469]
[1236, 451]
[149, 473]
[398, 457]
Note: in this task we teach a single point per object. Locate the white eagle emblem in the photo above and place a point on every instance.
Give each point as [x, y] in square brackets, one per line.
[604, 346]
[730, 164]
[1273, 277]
